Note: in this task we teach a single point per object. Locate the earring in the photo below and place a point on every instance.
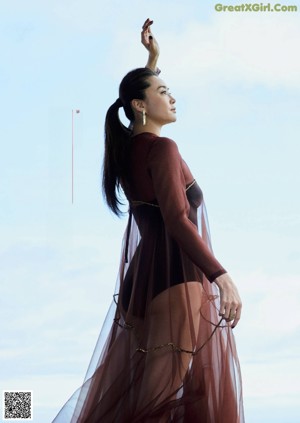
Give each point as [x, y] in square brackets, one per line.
[144, 118]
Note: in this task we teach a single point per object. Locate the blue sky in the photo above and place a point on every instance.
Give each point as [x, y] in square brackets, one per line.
[236, 79]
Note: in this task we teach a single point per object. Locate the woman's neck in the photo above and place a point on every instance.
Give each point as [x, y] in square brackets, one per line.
[138, 128]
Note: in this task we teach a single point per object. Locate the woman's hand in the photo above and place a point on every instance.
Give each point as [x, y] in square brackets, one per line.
[230, 302]
[150, 43]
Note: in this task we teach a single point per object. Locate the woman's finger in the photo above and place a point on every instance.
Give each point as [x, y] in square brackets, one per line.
[146, 32]
[237, 317]
[147, 23]
[146, 27]
[222, 304]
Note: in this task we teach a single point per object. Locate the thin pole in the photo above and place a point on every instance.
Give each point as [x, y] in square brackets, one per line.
[72, 155]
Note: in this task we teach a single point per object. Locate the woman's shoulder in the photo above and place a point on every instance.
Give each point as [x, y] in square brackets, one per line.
[162, 150]
[165, 145]
[152, 138]
[154, 144]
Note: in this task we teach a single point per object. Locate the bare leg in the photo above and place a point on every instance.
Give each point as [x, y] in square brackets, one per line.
[174, 318]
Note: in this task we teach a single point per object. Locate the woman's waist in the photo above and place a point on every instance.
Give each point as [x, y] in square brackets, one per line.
[193, 193]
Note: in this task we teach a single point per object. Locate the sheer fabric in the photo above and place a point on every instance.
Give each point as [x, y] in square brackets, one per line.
[164, 354]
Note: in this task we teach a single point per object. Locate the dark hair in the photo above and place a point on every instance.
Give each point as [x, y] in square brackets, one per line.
[118, 137]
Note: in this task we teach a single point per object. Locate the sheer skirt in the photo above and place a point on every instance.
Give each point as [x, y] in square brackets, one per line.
[164, 354]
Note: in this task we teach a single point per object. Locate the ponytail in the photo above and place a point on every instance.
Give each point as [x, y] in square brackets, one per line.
[118, 137]
[117, 140]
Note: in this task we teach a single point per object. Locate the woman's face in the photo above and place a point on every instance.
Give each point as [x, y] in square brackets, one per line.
[159, 103]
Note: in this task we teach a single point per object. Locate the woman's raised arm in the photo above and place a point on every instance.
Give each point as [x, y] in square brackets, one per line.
[151, 45]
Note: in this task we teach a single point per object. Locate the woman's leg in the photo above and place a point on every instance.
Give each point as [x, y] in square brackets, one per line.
[174, 319]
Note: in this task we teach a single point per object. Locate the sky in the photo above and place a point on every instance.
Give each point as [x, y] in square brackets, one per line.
[236, 80]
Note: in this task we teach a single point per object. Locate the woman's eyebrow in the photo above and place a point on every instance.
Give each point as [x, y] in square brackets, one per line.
[162, 86]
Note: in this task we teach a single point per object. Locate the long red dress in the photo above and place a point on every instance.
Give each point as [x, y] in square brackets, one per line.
[164, 354]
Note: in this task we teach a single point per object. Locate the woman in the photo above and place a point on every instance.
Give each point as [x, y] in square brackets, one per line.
[170, 354]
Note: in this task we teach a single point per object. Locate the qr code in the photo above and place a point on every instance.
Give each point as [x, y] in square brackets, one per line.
[17, 405]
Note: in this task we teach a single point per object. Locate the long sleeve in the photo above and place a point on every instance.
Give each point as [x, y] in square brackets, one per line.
[165, 166]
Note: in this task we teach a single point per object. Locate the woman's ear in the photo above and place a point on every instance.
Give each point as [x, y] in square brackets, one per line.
[137, 105]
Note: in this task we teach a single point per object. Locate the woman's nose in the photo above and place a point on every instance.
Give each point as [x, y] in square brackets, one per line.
[172, 99]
